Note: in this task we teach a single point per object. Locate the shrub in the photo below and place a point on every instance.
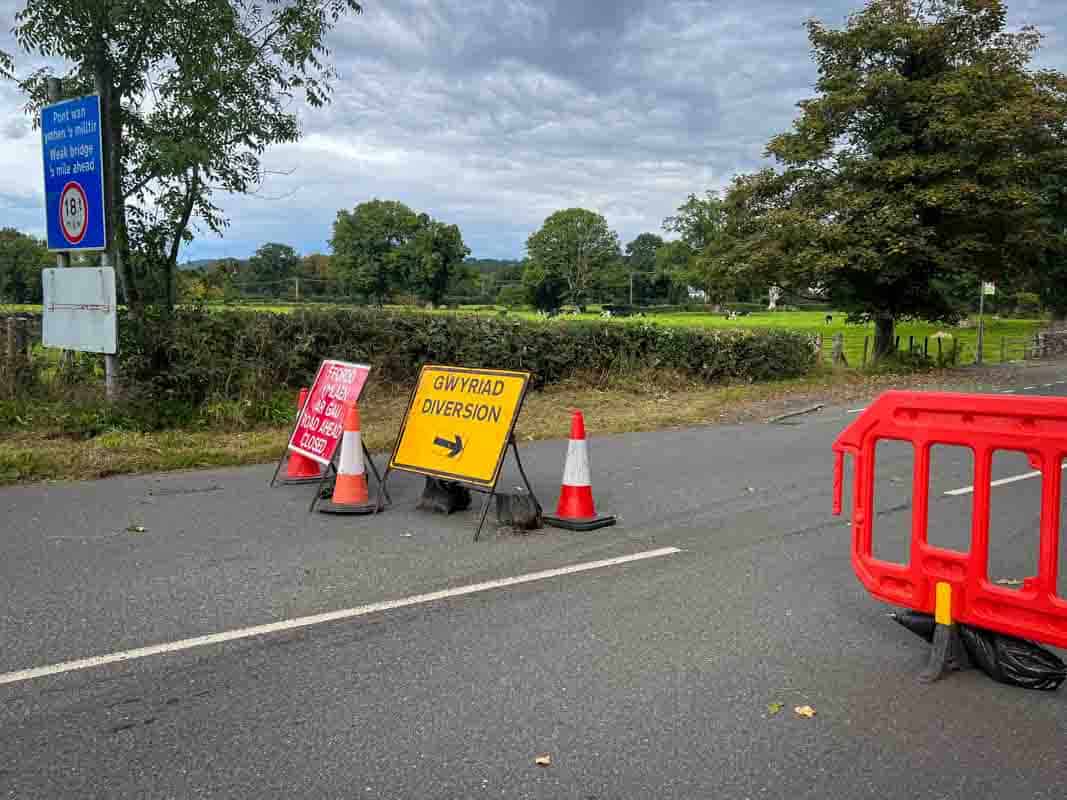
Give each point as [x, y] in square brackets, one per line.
[202, 368]
[1027, 304]
[195, 354]
[512, 296]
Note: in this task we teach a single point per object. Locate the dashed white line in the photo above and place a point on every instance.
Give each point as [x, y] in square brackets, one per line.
[857, 410]
[1047, 385]
[1028, 388]
[1002, 482]
[330, 616]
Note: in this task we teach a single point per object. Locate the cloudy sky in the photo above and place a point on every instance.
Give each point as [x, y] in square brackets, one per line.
[492, 114]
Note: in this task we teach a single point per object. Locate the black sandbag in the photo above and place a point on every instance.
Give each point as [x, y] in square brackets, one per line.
[1016, 662]
[918, 623]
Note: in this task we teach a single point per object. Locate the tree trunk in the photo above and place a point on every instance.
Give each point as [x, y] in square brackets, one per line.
[111, 114]
[883, 336]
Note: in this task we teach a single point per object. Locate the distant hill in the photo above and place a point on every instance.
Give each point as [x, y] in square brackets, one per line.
[208, 263]
[203, 263]
[490, 264]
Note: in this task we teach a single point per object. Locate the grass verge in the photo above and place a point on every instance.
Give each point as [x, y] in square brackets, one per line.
[652, 401]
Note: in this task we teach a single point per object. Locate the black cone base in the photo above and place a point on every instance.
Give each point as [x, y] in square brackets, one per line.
[330, 507]
[299, 481]
[580, 524]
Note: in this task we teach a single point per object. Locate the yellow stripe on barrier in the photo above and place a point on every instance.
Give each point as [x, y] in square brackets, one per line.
[943, 606]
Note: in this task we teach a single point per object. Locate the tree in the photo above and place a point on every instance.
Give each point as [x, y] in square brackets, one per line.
[572, 248]
[369, 247]
[672, 261]
[434, 257]
[21, 260]
[918, 165]
[640, 268]
[272, 268]
[192, 92]
[702, 224]
[1051, 283]
[641, 252]
[699, 220]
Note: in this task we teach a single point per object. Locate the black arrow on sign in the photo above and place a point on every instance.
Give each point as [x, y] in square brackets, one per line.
[455, 447]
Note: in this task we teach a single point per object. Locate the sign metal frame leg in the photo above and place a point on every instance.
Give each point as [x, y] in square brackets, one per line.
[489, 493]
[492, 492]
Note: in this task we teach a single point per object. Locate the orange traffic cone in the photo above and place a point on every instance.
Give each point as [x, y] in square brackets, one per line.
[576, 511]
[350, 495]
[300, 468]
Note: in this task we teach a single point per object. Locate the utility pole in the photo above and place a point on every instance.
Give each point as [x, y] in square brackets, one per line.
[631, 288]
[297, 279]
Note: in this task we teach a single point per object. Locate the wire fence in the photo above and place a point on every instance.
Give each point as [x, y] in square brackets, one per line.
[942, 350]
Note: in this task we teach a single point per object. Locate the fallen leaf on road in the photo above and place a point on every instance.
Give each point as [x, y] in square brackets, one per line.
[774, 708]
[1009, 582]
[805, 711]
[543, 760]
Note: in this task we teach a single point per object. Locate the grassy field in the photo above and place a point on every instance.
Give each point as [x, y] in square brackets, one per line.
[1006, 339]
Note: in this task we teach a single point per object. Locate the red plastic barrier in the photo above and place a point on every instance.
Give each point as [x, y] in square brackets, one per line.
[1036, 426]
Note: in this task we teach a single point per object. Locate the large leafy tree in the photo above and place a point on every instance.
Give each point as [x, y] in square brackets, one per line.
[193, 92]
[918, 166]
[434, 257]
[370, 247]
[570, 252]
[272, 267]
[21, 260]
[701, 224]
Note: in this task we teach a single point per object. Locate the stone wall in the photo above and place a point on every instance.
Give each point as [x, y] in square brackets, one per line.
[1051, 343]
[18, 334]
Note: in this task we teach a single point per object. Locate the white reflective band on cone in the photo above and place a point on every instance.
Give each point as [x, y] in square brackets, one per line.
[576, 472]
[351, 454]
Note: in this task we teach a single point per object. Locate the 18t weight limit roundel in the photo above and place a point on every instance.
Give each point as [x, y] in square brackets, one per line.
[73, 213]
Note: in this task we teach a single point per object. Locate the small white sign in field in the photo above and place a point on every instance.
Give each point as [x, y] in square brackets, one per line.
[80, 311]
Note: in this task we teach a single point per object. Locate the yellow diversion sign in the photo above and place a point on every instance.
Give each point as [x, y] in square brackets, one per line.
[459, 422]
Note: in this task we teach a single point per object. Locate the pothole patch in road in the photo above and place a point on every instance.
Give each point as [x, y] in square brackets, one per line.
[181, 492]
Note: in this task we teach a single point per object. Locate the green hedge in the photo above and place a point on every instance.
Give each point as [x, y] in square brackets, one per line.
[196, 354]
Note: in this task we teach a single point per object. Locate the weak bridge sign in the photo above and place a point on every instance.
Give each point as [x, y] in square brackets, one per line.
[458, 423]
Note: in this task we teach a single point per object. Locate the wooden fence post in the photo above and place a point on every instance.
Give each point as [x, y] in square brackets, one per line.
[839, 350]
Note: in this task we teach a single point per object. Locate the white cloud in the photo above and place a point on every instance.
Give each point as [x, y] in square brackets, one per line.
[494, 113]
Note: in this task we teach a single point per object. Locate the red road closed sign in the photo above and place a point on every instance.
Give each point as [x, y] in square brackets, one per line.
[321, 422]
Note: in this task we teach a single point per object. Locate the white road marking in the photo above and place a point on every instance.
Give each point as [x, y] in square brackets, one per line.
[1047, 385]
[1028, 388]
[857, 410]
[1002, 482]
[1060, 383]
[330, 616]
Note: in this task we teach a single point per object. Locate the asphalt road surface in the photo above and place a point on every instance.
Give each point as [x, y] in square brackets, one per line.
[657, 676]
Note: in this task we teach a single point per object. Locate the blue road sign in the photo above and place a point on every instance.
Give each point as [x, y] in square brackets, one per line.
[72, 142]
